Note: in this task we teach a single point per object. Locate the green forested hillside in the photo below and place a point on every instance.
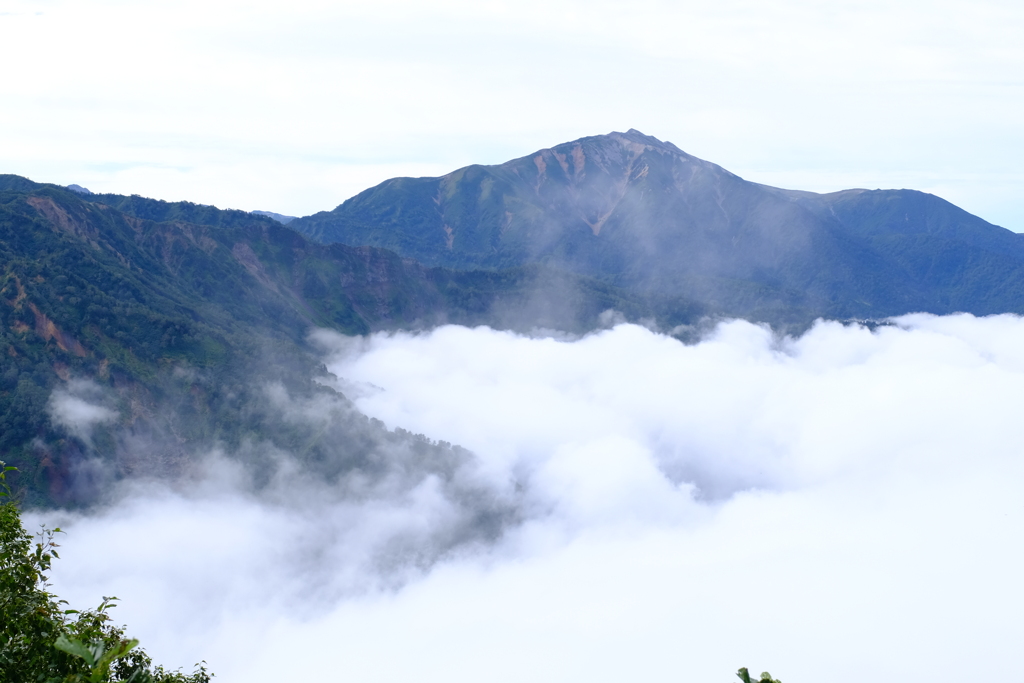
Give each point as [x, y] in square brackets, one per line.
[180, 315]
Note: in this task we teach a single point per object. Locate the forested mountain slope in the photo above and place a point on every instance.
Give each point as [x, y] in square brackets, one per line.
[643, 215]
[179, 316]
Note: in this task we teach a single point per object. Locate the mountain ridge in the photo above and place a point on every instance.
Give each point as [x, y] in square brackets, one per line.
[644, 215]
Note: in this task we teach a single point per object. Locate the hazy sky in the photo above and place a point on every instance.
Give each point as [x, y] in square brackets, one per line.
[294, 106]
[842, 507]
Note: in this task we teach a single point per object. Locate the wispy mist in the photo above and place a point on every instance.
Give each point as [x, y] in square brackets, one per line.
[843, 506]
[78, 407]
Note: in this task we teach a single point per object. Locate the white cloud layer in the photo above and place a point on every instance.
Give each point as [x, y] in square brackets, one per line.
[842, 506]
[293, 107]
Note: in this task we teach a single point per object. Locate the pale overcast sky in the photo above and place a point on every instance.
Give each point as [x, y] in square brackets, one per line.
[295, 106]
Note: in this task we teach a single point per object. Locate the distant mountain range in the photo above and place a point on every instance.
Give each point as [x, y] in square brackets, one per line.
[280, 218]
[643, 215]
[181, 314]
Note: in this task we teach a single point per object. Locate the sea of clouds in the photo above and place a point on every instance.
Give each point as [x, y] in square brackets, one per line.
[842, 506]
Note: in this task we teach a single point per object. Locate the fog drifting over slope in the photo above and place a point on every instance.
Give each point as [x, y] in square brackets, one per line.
[842, 506]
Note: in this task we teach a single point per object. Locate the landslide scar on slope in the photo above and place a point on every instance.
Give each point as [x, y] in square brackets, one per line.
[247, 257]
[561, 158]
[632, 173]
[46, 329]
[542, 169]
[578, 160]
[58, 216]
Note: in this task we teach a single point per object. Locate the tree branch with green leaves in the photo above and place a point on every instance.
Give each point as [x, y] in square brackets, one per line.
[43, 641]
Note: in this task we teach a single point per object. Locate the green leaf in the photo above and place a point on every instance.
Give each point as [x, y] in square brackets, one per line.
[114, 653]
[75, 647]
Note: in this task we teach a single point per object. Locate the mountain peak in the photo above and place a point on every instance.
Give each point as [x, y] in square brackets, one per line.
[635, 136]
[639, 213]
[614, 153]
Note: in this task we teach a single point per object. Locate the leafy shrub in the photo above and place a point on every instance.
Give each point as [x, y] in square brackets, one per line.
[41, 641]
[766, 677]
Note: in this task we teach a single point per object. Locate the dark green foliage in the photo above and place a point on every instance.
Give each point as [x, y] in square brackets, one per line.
[16, 183]
[766, 677]
[41, 640]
